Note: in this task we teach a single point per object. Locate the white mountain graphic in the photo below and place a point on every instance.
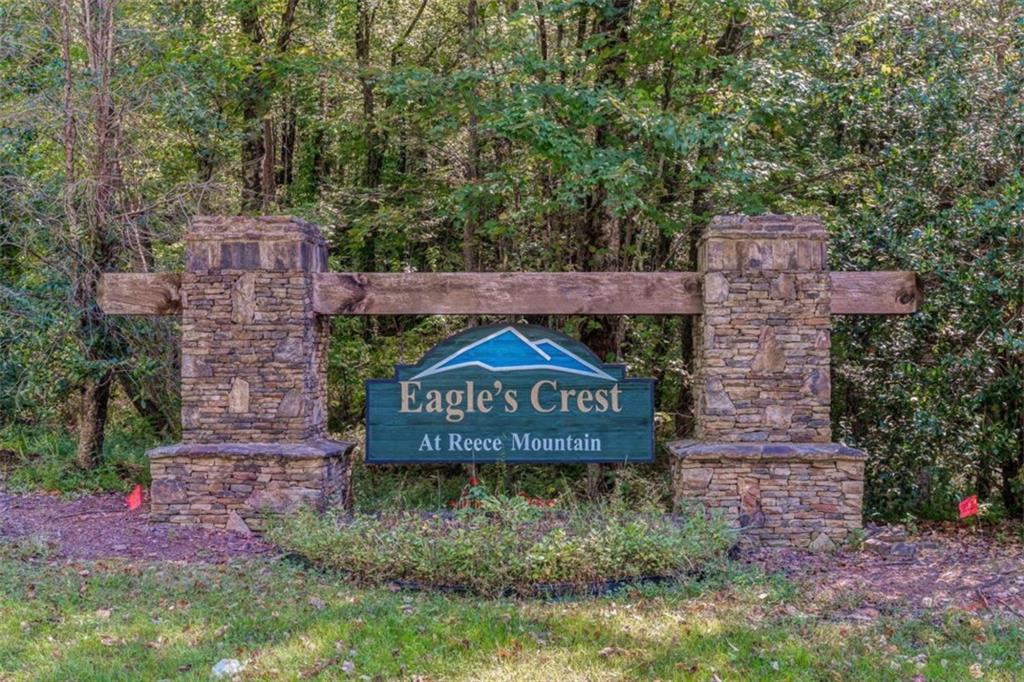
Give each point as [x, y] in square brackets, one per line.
[507, 350]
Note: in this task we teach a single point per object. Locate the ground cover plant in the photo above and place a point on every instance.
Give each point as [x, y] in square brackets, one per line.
[499, 544]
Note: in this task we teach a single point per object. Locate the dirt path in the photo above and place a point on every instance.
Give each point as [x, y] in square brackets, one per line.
[101, 526]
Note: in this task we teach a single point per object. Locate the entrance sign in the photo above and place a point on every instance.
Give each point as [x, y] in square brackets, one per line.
[256, 292]
[509, 393]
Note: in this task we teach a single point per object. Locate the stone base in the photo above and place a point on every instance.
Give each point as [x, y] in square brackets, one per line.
[803, 495]
[227, 485]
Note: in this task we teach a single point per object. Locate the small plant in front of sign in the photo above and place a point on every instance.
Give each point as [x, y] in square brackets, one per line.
[505, 545]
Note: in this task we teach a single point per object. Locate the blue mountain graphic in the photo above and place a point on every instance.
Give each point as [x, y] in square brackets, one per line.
[563, 358]
[507, 350]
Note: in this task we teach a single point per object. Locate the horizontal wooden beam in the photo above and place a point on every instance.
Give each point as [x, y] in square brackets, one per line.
[148, 293]
[875, 293]
[508, 293]
[513, 293]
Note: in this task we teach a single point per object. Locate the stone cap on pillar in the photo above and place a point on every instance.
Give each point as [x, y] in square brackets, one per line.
[270, 243]
[309, 449]
[764, 242]
[712, 451]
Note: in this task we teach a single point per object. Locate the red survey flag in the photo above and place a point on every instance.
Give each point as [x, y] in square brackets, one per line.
[968, 506]
[134, 499]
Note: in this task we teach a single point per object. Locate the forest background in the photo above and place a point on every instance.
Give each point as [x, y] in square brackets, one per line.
[520, 135]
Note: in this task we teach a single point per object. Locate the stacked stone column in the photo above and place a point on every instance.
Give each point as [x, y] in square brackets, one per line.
[252, 378]
[762, 452]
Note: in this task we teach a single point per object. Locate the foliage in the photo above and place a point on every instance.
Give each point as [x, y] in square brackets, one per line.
[542, 136]
[45, 459]
[503, 544]
[124, 621]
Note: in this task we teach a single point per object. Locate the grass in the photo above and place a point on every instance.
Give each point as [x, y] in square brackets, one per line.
[122, 621]
[45, 459]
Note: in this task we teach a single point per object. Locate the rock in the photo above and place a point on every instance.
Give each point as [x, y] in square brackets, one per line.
[282, 500]
[227, 667]
[165, 491]
[243, 299]
[888, 545]
[238, 398]
[193, 366]
[697, 479]
[769, 356]
[290, 405]
[784, 287]
[818, 384]
[716, 287]
[716, 400]
[236, 524]
[289, 350]
[822, 543]
[778, 416]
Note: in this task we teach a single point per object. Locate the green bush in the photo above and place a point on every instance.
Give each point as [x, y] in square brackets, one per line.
[504, 545]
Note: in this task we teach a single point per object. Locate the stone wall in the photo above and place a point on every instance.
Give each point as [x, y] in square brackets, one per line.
[779, 494]
[253, 349]
[762, 342]
[231, 486]
[253, 379]
[762, 454]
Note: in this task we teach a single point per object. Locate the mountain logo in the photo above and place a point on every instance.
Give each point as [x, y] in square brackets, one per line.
[508, 350]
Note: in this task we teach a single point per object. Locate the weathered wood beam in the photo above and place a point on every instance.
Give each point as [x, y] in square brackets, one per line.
[875, 293]
[508, 293]
[148, 293]
[513, 293]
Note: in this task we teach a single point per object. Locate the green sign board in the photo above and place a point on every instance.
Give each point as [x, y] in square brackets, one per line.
[509, 393]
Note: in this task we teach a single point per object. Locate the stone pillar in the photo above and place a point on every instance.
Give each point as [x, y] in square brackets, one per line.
[253, 377]
[762, 451]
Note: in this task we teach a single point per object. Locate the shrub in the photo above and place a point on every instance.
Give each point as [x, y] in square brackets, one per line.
[504, 546]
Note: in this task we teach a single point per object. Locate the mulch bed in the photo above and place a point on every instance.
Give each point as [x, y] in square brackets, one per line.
[101, 527]
[978, 569]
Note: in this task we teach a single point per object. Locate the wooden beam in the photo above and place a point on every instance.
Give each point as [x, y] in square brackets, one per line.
[507, 293]
[149, 293]
[513, 293]
[875, 293]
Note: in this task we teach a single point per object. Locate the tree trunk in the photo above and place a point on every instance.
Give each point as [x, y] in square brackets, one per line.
[268, 181]
[601, 231]
[471, 223]
[256, 98]
[253, 109]
[94, 235]
[700, 213]
[285, 171]
[92, 420]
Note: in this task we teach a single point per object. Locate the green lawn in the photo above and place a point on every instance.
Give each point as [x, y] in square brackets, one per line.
[115, 620]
